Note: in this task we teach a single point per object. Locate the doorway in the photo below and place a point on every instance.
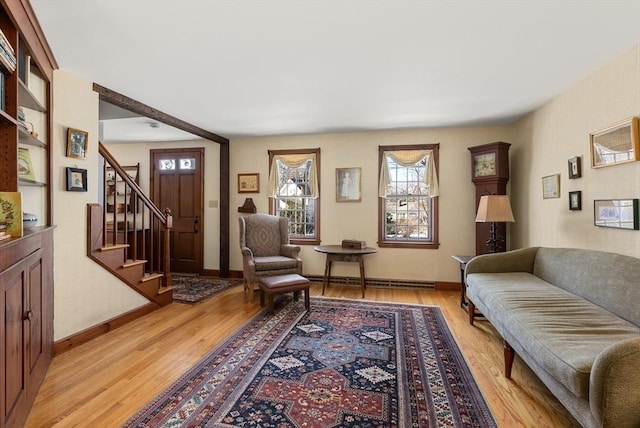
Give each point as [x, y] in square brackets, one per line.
[176, 183]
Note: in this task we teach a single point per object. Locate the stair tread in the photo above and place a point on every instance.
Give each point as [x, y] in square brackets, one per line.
[150, 276]
[114, 247]
[165, 289]
[130, 263]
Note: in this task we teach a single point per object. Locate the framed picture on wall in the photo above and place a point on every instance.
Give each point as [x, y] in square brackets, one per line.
[249, 183]
[615, 144]
[616, 213]
[575, 167]
[551, 186]
[575, 200]
[76, 180]
[77, 142]
[348, 185]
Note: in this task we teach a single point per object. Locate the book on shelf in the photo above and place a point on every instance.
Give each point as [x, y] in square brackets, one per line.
[5, 42]
[11, 212]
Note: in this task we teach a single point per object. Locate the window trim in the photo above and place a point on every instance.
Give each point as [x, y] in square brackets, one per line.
[434, 243]
[272, 201]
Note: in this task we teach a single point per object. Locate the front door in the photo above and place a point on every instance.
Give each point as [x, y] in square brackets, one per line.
[176, 183]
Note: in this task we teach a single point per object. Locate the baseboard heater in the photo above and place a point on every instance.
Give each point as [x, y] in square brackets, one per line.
[375, 282]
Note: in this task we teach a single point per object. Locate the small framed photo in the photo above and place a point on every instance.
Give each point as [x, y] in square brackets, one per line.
[575, 200]
[616, 213]
[575, 167]
[77, 141]
[76, 180]
[249, 183]
[551, 186]
[348, 185]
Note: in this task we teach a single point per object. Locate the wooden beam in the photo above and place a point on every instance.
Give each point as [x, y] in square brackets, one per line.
[117, 99]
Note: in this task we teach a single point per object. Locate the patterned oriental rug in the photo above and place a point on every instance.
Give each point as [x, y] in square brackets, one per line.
[194, 289]
[345, 363]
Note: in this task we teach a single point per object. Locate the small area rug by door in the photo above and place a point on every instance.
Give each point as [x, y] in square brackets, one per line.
[194, 289]
[344, 363]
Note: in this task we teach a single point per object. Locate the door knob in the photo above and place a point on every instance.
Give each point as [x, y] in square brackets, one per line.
[196, 225]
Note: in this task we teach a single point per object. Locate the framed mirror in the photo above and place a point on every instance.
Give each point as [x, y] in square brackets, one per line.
[617, 143]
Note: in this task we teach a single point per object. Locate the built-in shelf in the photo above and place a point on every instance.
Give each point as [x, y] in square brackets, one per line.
[27, 99]
[26, 182]
[4, 117]
[25, 137]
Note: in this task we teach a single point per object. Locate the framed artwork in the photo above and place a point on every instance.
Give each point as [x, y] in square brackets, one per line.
[615, 144]
[249, 183]
[551, 186]
[575, 200]
[77, 141]
[575, 167]
[76, 180]
[25, 166]
[348, 185]
[616, 213]
[11, 213]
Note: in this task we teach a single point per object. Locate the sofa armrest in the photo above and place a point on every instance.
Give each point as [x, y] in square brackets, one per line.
[614, 386]
[512, 261]
[289, 250]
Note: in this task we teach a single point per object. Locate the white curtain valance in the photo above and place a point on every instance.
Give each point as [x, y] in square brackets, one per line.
[409, 158]
[293, 161]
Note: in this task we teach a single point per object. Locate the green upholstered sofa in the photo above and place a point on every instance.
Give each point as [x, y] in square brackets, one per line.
[573, 316]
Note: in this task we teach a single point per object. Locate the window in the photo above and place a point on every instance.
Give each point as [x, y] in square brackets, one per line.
[408, 190]
[294, 190]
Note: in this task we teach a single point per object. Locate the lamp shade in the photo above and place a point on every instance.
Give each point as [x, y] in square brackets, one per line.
[494, 208]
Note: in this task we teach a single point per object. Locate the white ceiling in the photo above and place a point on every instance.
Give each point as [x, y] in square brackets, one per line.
[253, 68]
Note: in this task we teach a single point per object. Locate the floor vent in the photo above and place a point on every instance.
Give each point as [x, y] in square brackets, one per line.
[375, 282]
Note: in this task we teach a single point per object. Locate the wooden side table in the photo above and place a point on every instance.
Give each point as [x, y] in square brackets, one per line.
[335, 253]
[463, 260]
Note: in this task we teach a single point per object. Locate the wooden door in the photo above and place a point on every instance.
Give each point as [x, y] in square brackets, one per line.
[176, 183]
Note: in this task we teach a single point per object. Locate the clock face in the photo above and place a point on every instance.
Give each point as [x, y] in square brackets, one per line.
[485, 164]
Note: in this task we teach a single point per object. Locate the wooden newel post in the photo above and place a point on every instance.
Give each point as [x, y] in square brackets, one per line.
[167, 281]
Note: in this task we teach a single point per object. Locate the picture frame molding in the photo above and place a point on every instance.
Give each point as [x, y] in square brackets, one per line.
[77, 149]
[351, 177]
[72, 176]
[249, 182]
[551, 186]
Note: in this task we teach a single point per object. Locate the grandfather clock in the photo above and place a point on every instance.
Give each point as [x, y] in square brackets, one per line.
[490, 174]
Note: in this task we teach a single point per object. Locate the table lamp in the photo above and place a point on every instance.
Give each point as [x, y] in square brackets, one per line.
[494, 209]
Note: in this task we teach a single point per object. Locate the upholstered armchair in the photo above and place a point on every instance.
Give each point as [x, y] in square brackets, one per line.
[266, 251]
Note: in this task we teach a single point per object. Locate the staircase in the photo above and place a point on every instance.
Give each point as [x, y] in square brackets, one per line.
[132, 244]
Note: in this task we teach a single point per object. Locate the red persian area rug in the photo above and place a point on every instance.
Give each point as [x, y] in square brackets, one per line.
[344, 363]
[194, 289]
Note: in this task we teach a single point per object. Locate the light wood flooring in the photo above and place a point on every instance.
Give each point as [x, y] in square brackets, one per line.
[103, 382]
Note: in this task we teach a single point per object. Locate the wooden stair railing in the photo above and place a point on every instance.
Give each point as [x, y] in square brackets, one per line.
[132, 241]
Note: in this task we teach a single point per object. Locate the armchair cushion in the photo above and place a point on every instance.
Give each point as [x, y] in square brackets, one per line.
[265, 247]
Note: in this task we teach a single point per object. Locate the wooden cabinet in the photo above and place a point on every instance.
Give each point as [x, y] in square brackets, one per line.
[26, 332]
[26, 262]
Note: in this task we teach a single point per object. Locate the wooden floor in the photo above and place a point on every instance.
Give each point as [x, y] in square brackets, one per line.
[103, 382]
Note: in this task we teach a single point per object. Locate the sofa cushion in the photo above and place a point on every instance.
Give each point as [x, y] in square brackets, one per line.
[563, 332]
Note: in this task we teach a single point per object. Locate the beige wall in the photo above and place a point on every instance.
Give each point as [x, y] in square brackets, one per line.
[84, 294]
[359, 220]
[542, 142]
[551, 135]
[132, 153]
